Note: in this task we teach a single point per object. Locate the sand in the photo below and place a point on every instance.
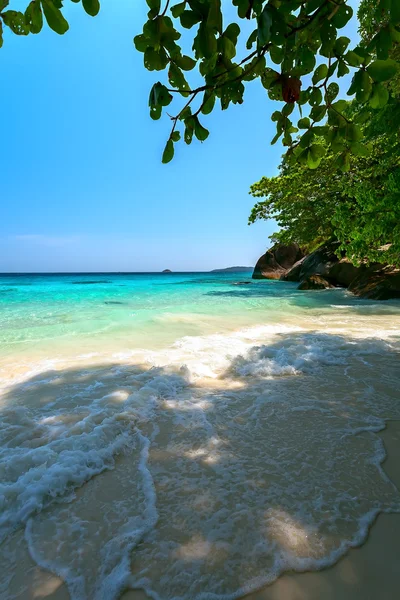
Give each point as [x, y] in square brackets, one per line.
[370, 572]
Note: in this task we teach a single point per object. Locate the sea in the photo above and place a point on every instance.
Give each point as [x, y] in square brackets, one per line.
[190, 436]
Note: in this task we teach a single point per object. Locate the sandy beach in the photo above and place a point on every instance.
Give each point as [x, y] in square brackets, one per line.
[369, 572]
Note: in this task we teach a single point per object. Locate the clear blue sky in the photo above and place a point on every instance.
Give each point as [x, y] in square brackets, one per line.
[83, 187]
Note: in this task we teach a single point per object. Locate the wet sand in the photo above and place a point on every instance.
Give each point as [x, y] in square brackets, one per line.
[370, 572]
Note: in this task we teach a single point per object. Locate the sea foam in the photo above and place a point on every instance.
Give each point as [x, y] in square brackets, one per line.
[205, 469]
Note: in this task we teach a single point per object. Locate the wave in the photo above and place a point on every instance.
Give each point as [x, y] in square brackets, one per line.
[203, 470]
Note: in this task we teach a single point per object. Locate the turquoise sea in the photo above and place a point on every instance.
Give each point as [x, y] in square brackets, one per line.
[190, 436]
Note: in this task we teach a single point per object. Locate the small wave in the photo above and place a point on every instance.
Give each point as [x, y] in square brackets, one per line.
[212, 490]
[90, 282]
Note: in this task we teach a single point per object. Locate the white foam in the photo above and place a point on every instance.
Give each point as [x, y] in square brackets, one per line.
[231, 459]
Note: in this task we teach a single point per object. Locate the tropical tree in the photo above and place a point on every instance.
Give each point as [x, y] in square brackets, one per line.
[292, 47]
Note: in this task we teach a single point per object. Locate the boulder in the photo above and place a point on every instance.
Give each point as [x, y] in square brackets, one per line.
[319, 262]
[377, 283]
[294, 273]
[315, 282]
[276, 261]
[342, 273]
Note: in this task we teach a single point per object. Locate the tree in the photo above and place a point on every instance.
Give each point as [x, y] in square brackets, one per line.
[361, 208]
[293, 44]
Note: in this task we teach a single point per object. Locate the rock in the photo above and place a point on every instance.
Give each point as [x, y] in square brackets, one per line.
[315, 282]
[377, 283]
[344, 272]
[319, 262]
[167, 271]
[276, 261]
[294, 273]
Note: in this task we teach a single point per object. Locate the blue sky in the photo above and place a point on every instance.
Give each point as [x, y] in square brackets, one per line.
[83, 187]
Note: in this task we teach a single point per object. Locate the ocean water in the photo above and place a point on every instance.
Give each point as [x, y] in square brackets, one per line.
[190, 435]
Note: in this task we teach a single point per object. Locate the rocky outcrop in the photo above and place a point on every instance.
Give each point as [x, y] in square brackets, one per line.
[343, 272]
[277, 261]
[323, 269]
[319, 262]
[377, 283]
[315, 282]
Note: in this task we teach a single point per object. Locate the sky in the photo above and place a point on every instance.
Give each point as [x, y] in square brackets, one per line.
[82, 185]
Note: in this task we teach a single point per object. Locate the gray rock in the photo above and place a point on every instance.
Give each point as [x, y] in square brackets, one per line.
[315, 282]
[276, 261]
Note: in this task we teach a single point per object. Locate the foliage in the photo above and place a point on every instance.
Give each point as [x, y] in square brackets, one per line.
[361, 208]
[293, 44]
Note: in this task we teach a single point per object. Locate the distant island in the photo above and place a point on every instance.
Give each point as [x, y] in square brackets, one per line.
[232, 270]
[167, 271]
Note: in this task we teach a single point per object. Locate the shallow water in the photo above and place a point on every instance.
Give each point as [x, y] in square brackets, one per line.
[188, 435]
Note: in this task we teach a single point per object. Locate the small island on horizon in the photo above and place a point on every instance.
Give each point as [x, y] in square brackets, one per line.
[233, 270]
[166, 271]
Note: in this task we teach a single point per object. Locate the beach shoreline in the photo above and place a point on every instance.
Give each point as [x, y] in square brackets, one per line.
[367, 572]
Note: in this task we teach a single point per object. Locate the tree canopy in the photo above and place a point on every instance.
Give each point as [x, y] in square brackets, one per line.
[293, 47]
[360, 208]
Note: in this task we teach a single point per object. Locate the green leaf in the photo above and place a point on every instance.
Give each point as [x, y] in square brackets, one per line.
[360, 149]
[200, 132]
[178, 9]
[252, 39]
[208, 103]
[153, 4]
[185, 62]
[342, 16]
[394, 33]
[379, 97]
[304, 123]
[92, 7]
[232, 32]
[168, 153]
[343, 162]
[155, 61]
[305, 61]
[361, 86]
[226, 47]
[175, 136]
[1, 34]
[341, 45]
[320, 73]
[382, 42]
[276, 53]
[331, 92]
[15, 20]
[34, 17]
[159, 95]
[214, 19]
[353, 133]
[353, 59]
[395, 12]
[382, 70]
[343, 69]
[205, 43]
[315, 97]
[54, 17]
[177, 79]
[314, 156]
[264, 26]
[141, 43]
[318, 112]
[189, 18]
